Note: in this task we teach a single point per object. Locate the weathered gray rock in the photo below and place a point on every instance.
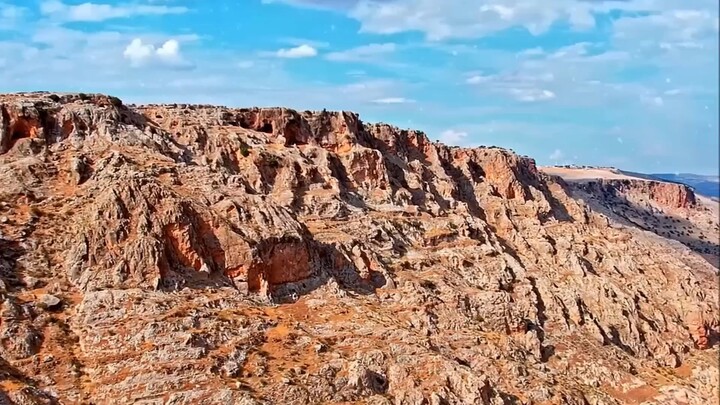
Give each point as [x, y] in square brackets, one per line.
[49, 301]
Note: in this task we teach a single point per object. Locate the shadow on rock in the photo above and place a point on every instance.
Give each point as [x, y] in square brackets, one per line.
[10, 252]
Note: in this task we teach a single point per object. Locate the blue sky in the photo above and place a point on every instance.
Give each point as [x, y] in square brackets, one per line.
[631, 84]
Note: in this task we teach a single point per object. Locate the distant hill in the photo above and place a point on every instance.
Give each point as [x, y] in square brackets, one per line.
[706, 185]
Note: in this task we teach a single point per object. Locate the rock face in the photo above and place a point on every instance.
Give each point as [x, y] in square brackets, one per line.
[260, 256]
[664, 195]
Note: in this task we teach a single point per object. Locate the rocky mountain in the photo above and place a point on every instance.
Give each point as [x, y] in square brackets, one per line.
[181, 254]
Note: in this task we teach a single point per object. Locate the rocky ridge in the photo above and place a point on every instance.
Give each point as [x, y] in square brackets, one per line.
[215, 255]
[664, 195]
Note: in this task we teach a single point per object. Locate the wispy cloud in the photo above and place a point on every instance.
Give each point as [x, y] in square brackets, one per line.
[304, 41]
[94, 12]
[362, 53]
[532, 95]
[393, 100]
[522, 87]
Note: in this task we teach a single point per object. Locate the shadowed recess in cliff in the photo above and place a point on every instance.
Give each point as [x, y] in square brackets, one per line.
[464, 190]
[10, 271]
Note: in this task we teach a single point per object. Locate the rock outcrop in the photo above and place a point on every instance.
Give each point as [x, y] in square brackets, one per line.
[202, 254]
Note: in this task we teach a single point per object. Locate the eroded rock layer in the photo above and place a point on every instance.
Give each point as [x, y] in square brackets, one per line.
[184, 254]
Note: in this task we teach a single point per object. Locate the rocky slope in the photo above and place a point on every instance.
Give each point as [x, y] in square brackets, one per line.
[185, 254]
[671, 210]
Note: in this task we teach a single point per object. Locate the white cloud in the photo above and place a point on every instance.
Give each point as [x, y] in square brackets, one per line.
[362, 53]
[557, 155]
[304, 41]
[477, 79]
[453, 137]
[469, 19]
[169, 51]
[302, 51]
[140, 53]
[532, 95]
[393, 100]
[93, 12]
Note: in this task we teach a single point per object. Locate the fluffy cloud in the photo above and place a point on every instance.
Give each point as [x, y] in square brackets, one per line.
[302, 51]
[140, 53]
[453, 137]
[93, 12]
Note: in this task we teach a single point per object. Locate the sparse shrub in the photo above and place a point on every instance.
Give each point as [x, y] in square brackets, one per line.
[54, 97]
[35, 212]
[116, 102]
[83, 97]
[245, 150]
[271, 160]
